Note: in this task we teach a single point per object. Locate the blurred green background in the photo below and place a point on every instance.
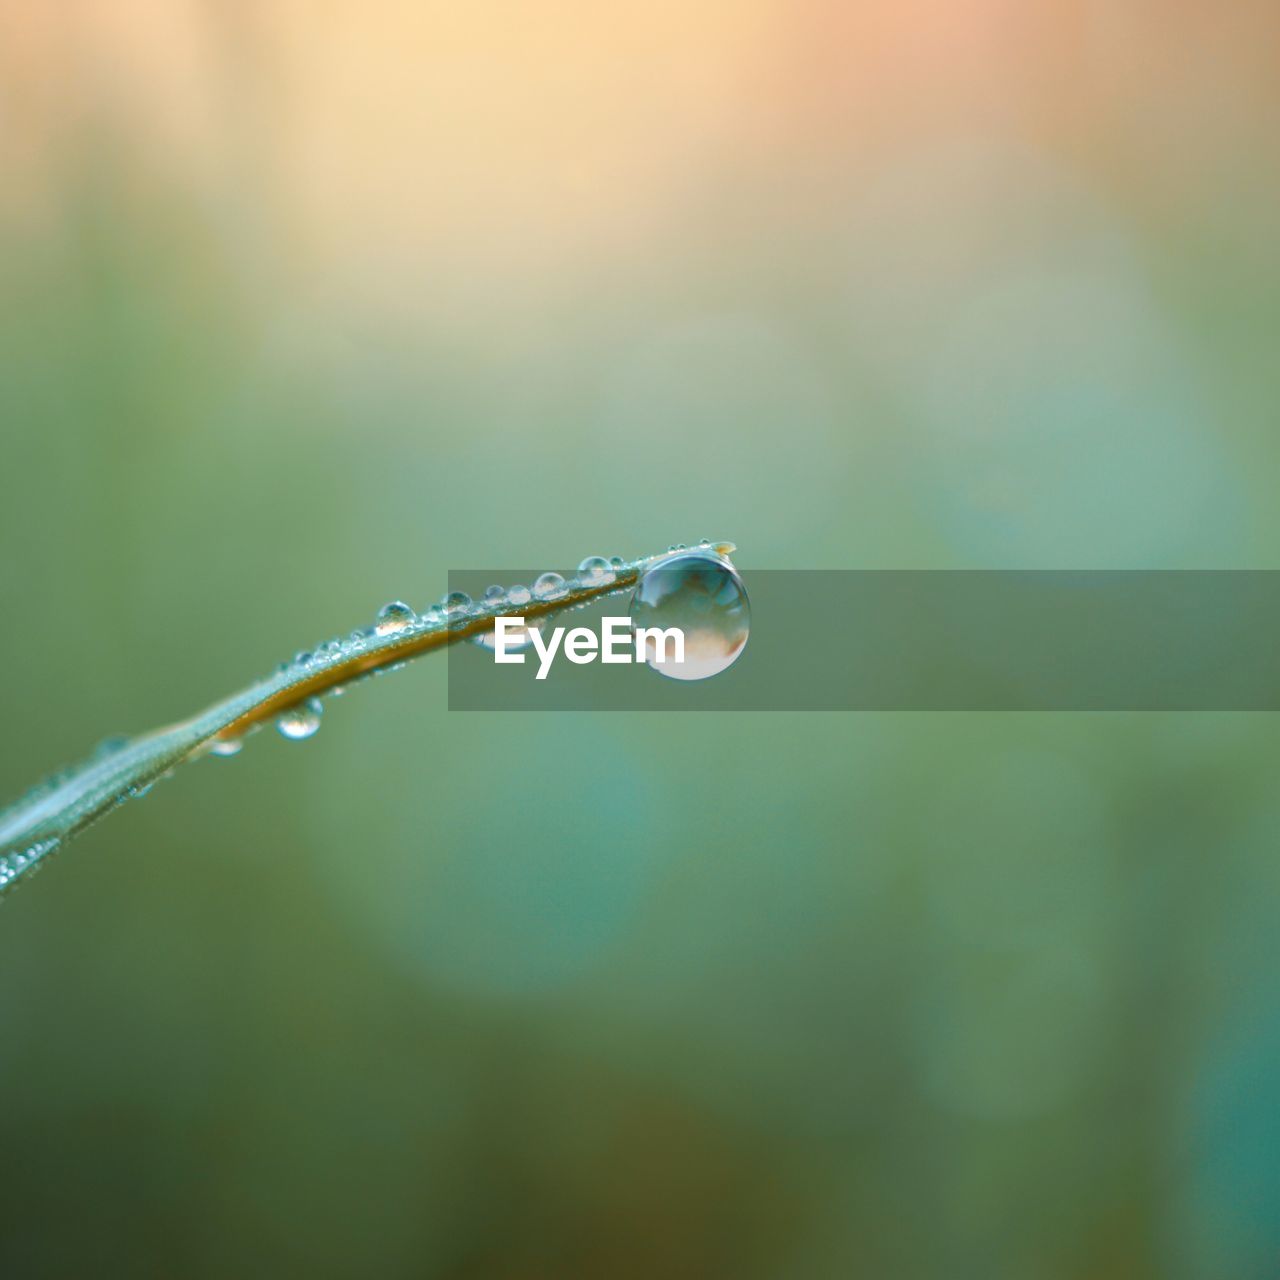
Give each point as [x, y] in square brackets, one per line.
[305, 305]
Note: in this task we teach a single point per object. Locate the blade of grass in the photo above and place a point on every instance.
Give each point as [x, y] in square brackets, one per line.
[42, 821]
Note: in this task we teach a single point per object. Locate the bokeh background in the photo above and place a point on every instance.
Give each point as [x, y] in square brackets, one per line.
[306, 304]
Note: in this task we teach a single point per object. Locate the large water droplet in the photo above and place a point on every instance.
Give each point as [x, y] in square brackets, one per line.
[393, 618]
[702, 595]
[518, 596]
[549, 586]
[301, 721]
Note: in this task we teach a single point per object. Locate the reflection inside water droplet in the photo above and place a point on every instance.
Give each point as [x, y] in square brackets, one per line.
[457, 604]
[517, 639]
[702, 595]
[393, 618]
[301, 721]
[595, 571]
[549, 586]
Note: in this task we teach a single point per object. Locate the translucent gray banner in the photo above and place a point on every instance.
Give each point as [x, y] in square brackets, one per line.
[874, 640]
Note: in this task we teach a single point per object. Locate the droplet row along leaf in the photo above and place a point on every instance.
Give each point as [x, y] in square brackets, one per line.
[45, 818]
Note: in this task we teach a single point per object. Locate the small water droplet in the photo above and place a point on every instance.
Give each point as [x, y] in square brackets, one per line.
[702, 596]
[517, 639]
[493, 595]
[457, 604]
[616, 562]
[301, 721]
[226, 746]
[301, 659]
[595, 571]
[27, 860]
[393, 618]
[518, 596]
[549, 586]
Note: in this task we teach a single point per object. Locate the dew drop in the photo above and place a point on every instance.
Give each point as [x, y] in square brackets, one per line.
[433, 615]
[549, 586]
[301, 721]
[457, 604]
[517, 640]
[27, 860]
[226, 746]
[703, 596]
[494, 595]
[595, 571]
[616, 562]
[518, 596]
[393, 618]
